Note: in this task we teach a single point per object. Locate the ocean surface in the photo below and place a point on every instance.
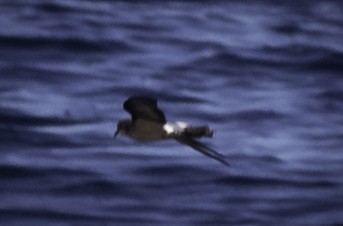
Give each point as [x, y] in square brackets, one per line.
[266, 75]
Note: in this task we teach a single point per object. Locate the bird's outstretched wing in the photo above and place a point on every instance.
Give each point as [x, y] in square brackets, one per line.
[144, 108]
[202, 148]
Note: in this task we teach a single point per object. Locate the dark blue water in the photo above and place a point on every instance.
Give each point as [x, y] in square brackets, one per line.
[267, 76]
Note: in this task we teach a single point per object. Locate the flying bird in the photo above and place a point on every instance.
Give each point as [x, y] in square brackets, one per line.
[149, 123]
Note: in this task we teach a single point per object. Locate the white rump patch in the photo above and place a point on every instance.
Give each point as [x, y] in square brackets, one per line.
[168, 127]
[182, 125]
[177, 127]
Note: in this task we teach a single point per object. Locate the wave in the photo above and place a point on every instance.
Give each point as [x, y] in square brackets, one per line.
[73, 44]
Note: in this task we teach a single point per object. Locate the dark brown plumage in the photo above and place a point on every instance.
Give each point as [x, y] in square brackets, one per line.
[148, 123]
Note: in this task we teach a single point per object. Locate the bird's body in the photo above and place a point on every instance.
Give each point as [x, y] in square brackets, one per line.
[148, 123]
[145, 130]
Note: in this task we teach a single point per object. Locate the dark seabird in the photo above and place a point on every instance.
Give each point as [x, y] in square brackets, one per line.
[148, 123]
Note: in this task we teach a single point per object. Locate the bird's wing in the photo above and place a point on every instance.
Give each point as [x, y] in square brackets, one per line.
[144, 108]
[202, 148]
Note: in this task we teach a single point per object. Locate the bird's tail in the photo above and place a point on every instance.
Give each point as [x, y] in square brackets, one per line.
[200, 131]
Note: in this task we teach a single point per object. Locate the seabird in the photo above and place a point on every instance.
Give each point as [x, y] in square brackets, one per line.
[149, 123]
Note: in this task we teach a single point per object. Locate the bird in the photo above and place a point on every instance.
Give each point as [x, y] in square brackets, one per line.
[148, 123]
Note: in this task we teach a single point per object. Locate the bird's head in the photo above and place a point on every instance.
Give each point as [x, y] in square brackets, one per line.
[123, 127]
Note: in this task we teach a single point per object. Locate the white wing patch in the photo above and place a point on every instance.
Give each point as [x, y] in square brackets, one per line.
[175, 128]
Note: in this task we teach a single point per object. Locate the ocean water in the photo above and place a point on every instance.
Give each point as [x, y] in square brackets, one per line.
[267, 76]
